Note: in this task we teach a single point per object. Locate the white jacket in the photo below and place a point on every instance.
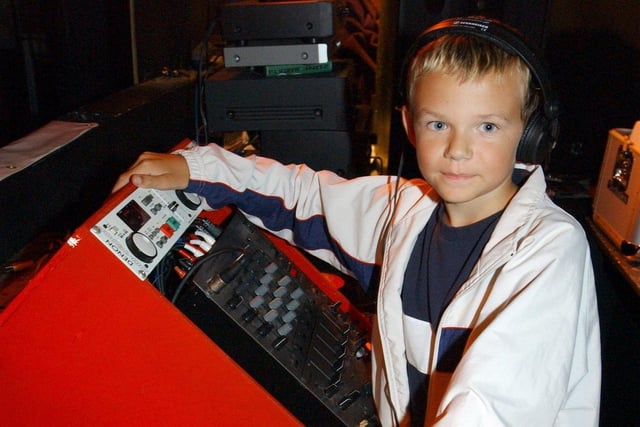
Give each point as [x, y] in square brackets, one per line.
[528, 308]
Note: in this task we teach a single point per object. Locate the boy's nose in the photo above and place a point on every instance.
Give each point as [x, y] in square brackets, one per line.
[458, 147]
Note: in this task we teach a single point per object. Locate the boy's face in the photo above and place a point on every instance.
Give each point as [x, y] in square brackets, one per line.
[466, 135]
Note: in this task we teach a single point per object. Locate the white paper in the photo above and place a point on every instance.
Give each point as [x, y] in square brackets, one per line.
[22, 153]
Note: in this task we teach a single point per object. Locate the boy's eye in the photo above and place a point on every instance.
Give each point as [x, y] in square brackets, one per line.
[489, 127]
[435, 125]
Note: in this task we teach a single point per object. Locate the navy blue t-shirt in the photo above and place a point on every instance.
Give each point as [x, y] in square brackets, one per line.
[441, 261]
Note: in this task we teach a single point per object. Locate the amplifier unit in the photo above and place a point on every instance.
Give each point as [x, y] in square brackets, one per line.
[264, 20]
[239, 99]
[320, 150]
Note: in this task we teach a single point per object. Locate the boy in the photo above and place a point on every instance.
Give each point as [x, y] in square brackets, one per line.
[486, 310]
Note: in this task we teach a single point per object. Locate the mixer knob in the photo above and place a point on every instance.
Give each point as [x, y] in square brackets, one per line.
[190, 200]
[141, 246]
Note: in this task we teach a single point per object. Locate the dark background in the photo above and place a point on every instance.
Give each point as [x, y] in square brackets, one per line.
[60, 55]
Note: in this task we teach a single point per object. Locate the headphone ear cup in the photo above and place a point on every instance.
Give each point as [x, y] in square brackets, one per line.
[536, 142]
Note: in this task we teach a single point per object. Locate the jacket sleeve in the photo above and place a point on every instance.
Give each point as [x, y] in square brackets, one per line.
[533, 357]
[338, 220]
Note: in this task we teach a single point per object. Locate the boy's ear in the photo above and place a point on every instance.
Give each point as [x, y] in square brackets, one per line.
[407, 122]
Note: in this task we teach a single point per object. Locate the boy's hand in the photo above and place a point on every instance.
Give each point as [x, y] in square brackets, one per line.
[156, 170]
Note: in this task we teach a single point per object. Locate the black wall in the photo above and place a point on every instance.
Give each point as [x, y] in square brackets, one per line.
[58, 55]
[59, 192]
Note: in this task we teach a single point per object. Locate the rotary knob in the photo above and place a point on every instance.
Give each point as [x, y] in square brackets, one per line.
[190, 200]
[141, 246]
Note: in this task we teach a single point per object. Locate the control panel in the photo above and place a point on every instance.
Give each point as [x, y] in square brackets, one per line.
[144, 226]
[268, 298]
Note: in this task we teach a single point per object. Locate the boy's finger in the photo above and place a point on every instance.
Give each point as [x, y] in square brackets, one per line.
[160, 182]
[121, 182]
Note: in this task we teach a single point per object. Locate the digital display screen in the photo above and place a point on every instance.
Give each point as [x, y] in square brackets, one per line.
[133, 215]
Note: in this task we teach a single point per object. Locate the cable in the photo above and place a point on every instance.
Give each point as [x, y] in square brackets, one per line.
[162, 270]
[398, 176]
[198, 102]
[197, 266]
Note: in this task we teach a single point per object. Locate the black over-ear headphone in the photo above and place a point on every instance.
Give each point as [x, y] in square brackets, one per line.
[541, 130]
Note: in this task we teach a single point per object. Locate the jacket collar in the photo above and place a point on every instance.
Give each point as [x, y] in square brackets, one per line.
[504, 239]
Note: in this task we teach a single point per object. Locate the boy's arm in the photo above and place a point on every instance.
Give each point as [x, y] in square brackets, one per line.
[338, 220]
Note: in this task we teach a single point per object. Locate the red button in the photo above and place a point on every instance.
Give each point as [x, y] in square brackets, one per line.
[166, 230]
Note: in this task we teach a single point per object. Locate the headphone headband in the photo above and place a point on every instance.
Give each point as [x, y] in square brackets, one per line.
[503, 37]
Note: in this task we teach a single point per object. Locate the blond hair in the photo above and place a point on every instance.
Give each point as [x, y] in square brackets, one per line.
[469, 58]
